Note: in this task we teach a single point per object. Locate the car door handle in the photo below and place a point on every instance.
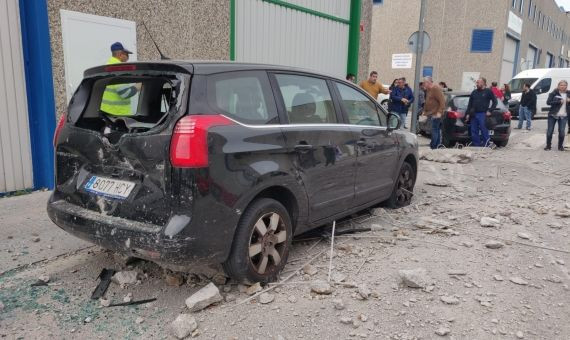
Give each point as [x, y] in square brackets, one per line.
[303, 147]
[361, 142]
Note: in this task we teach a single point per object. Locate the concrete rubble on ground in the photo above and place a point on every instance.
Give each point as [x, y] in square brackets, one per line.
[266, 298]
[414, 278]
[126, 277]
[518, 280]
[494, 244]
[452, 156]
[449, 300]
[44, 278]
[183, 326]
[203, 298]
[488, 222]
[321, 287]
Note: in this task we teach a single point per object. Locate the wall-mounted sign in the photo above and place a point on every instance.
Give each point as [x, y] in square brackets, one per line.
[402, 60]
[515, 23]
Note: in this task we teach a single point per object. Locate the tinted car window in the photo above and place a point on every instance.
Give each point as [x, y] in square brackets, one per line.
[244, 96]
[460, 103]
[517, 84]
[359, 109]
[307, 99]
[543, 85]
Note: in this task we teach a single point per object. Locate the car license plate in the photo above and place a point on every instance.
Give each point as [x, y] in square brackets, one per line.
[491, 132]
[108, 187]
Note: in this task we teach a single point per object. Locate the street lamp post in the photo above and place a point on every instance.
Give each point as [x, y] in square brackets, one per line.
[419, 51]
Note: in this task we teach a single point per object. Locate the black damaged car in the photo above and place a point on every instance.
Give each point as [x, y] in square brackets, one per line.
[221, 162]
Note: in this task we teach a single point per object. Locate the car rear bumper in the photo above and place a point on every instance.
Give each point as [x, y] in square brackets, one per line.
[171, 244]
[501, 133]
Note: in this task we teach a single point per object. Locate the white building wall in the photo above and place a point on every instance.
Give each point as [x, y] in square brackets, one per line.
[15, 151]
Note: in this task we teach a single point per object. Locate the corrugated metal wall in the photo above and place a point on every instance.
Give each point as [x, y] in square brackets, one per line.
[272, 34]
[338, 8]
[15, 152]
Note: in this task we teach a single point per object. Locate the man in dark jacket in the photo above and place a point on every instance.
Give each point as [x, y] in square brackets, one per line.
[478, 110]
[527, 106]
[401, 98]
[559, 101]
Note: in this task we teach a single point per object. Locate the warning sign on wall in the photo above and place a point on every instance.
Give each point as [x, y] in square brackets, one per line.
[402, 60]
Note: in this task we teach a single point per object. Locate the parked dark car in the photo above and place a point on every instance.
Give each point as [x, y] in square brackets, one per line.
[514, 106]
[223, 162]
[454, 128]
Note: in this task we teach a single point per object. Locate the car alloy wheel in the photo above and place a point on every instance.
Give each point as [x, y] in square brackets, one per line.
[403, 189]
[261, 242]
[405, 186]
[267, 243]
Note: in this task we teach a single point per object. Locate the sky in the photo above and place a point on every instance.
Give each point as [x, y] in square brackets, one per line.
[564, 3]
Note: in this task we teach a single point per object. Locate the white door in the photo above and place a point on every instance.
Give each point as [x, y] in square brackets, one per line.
[530, 58]
[87, 41]
[273, 34]
[15, 150]
[508, 63]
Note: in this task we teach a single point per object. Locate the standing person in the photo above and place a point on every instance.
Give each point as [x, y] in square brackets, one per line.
[421, 96]
[373, 86]
[444, 87]
[351, 78]
[393, 85]
[400, 99]
[496, 91]
[559, 101]
[116, 99]
[478, 110]
[433, 107]
[506, 94]
[527, 106]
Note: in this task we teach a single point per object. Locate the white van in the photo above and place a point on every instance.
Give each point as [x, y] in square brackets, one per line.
[542, 81]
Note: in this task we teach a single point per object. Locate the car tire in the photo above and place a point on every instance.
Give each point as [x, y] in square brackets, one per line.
[261, 243]
[403, 188]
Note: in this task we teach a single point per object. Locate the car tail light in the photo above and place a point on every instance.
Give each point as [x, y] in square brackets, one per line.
[58, 128]
[189, 144]
[117, 68]
[507, 115]
[452, 114]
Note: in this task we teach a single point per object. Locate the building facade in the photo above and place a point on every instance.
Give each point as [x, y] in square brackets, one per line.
[52, 42]
[494, 39]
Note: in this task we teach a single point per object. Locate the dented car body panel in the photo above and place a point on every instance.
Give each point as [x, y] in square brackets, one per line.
[184, 216]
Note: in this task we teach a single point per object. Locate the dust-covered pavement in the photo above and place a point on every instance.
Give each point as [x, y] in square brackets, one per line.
[506, 280]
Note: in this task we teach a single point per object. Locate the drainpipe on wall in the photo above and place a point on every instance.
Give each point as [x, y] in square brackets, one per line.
[354, 37]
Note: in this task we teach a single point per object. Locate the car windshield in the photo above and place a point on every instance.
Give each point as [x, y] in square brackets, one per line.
[461, 102]
[517, 84]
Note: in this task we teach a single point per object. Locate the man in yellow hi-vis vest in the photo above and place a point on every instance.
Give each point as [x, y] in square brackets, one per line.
[116, 99]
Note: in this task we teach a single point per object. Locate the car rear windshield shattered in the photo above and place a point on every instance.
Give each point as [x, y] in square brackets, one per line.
[119, 105]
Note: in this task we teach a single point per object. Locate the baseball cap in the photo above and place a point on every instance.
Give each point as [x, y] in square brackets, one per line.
[119, 47]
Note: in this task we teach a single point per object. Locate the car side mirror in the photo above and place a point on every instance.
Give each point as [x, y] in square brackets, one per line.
[394, 122]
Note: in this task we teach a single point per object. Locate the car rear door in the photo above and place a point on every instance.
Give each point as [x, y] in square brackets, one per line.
[321, 149]
[377, 148]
